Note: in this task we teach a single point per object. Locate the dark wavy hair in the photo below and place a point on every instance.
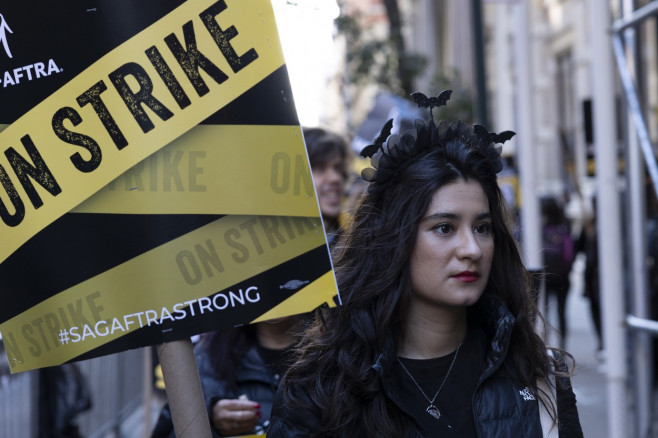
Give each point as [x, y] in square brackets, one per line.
[371, 262]
[322, 145]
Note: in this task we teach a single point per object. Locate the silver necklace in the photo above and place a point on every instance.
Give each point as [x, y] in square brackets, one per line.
[431, 409]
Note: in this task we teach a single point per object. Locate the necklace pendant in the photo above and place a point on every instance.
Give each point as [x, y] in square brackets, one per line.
[433, 411]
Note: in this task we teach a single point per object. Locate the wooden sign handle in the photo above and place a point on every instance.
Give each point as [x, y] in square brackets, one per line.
[183, 386]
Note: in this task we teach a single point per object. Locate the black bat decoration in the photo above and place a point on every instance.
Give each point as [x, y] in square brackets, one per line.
[371, 150]
[492, 137]
[503, 136]
[431, 102]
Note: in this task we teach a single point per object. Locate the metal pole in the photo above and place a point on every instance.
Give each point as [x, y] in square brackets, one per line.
[636, 112]
[609, 218]
[641, 342]
[118, 400]
[635, 17]
[530, 222]
[147, 389]
[503, 104]
[480, 68]
[647, 325]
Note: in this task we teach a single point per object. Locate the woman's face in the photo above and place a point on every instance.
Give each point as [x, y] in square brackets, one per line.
[454, 247]
[329, 185]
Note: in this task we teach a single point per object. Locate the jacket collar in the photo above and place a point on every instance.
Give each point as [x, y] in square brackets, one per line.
[497, 322]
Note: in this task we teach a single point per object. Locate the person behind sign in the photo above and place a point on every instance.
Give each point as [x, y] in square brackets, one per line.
[240, 371]
[255, 355]
[240, 368]
[328, 155]
[436, 335]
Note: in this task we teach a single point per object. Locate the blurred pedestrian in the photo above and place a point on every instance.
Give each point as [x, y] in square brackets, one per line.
[64, 394]
[587, 244]
[436, 335]
[558, 254]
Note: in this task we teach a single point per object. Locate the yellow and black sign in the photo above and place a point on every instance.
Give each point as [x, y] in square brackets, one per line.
[154, 180]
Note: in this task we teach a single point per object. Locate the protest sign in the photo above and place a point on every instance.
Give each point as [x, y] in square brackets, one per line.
[154, 182]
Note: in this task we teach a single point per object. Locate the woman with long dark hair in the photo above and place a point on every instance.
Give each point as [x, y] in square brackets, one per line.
[435, 336]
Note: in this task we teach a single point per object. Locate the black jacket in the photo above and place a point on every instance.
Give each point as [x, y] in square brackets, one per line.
[502, 408]
[253, 379]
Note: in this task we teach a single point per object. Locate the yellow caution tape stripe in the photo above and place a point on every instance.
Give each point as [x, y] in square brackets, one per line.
[217, 169]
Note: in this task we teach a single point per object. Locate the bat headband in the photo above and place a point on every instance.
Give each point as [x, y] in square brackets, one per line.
[389, 153]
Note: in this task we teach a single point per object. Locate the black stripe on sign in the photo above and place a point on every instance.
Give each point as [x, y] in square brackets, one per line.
[307, 267]
[269, 102]
[79, 246]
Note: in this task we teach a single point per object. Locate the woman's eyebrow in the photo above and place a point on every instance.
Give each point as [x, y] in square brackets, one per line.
[440, 215]
[453, 216]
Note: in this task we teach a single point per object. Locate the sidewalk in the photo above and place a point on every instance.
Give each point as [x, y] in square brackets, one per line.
[589, 381]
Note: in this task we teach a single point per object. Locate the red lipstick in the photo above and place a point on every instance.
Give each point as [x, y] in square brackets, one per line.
[467, 276]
